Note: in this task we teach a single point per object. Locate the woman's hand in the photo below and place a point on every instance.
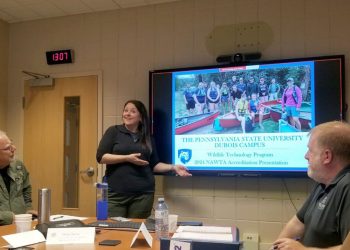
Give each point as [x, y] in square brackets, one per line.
[135, 159]
[181, 170]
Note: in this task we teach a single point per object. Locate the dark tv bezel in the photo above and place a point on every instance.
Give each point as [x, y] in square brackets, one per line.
[232, 173]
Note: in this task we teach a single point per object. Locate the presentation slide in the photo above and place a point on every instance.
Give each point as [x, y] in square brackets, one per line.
[250, 118]
[253, 118]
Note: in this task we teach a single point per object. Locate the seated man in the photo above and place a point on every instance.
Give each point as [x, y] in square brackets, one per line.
[323, 222]
[15, 188]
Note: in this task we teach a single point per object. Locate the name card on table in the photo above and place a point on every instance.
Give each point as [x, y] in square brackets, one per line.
[146, 234]
[71, 235]
[24, 238]
[179, 245]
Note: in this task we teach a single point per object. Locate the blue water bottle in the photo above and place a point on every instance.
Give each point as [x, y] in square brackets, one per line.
[102, 201]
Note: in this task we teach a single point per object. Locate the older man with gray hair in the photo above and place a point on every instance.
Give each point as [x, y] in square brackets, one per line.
[15, 188]
[323, 222]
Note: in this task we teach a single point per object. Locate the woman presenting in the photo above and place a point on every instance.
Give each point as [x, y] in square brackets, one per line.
[131, 158]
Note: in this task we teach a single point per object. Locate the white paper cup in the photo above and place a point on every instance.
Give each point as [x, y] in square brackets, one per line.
[23, 226]
[23, 222]
[173, 223]
[23, 216]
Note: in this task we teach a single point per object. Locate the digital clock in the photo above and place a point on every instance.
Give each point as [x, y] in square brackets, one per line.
[59, 56]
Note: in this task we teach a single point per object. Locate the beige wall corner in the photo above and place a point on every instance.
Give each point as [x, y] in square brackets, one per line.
[4, 49]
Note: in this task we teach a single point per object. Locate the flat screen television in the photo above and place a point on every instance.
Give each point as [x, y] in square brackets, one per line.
[250, 118]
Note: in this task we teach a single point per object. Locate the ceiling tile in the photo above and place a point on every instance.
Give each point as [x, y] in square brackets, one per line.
[159, 1]
[28, 2]
[130, 3]
[13, 11]
[46, 9]
[5, 4]
[71, 7]
[101, 4]
[22, 13]
[7, 17]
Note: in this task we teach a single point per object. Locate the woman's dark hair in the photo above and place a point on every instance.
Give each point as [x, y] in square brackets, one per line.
[143, 127]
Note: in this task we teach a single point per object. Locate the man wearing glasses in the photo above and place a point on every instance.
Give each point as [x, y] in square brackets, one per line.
[15, 188]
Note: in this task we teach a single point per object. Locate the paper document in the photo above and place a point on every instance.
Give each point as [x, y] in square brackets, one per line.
[204, 233]
[24, 238]
[71, 235]
[204, 229]
[59, 217]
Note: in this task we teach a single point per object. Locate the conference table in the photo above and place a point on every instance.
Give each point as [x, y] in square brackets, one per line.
[104, 234]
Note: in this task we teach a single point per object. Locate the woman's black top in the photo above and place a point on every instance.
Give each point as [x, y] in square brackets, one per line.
[126, 177]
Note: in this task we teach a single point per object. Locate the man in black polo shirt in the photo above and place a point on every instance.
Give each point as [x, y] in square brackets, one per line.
[323, 222]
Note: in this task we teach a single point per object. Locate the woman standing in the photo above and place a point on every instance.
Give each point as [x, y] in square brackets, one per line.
[224, 97]
[200, 98]
[131, 158]
[213, 95]
[291, 103]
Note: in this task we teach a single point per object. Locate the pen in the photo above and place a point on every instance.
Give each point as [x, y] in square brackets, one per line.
[58, 217]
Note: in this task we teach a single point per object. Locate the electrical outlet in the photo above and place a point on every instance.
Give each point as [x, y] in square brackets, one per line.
[251, 241]
[251, 237]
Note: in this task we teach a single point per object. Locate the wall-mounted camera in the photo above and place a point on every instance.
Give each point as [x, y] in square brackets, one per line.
[238, 58]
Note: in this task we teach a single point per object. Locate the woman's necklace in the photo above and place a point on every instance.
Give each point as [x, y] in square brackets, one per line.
[135, 135]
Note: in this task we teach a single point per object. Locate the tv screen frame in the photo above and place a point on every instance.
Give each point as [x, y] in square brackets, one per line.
[175, 143]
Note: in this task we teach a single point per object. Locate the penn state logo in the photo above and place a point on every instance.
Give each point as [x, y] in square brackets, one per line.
[184, 155]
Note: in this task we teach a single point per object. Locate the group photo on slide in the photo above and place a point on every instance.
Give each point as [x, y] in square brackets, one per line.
[267, 99]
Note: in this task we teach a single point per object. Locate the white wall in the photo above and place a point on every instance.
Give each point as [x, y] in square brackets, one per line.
[4, 49]
[126, 44]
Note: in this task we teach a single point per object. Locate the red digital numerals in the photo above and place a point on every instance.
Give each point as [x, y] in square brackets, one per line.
[60, 56]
